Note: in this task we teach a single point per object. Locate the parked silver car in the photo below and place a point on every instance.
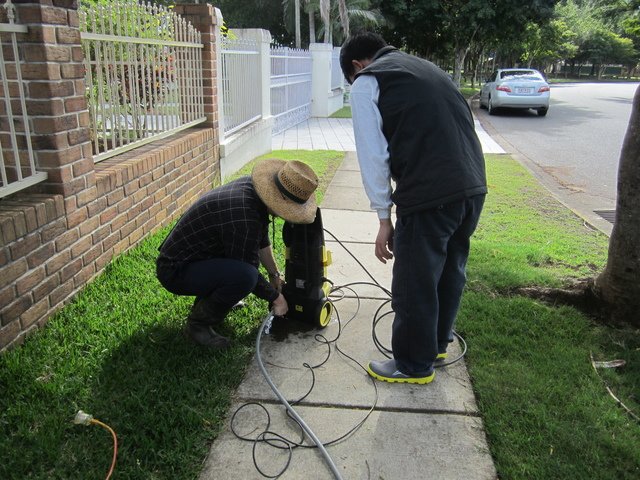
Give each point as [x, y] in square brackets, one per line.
[516, 88]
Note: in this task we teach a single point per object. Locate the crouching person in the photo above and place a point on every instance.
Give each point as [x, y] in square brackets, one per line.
[215, 249]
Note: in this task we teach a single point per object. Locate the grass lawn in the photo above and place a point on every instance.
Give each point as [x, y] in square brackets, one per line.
[117, 352]
[344, 112]
[546, 412]
[468, 91]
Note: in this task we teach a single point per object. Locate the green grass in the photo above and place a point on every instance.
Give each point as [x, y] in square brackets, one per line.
[344, 112]
[527, 238]
[546, 412]
[468, 91]
[117, 352]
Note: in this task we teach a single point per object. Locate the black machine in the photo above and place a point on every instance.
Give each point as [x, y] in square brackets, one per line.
[306, 260]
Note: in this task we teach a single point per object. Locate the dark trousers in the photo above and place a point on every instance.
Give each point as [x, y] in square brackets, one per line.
[431, 248]
[221, 280]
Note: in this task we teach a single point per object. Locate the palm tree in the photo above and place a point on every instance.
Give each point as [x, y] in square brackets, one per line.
[357, 13]
[325, 11]
[312, 21]
[344, 17]
[337, 17]
[297, 20]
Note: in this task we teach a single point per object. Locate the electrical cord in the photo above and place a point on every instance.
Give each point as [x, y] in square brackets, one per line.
[377, 317]
[82, 418]
[279, 441]
[358, 262]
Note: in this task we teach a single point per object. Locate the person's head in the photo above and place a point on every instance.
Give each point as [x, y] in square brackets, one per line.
[357, 52]
[287, 188]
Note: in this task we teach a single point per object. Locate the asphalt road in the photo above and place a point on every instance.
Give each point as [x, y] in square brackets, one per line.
[575, 149]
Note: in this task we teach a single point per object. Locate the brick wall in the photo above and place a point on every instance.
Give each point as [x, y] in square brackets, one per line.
[56, 237]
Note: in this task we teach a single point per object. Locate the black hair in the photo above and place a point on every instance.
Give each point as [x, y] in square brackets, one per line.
[359, 46]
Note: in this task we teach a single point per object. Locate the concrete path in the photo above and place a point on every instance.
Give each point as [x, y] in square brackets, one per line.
[337, 134]
[414, 432]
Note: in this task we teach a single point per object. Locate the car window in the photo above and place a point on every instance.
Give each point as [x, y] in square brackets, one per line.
[525, 77]
[518, 73]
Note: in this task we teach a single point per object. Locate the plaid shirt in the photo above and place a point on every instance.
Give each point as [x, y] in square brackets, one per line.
[228, 222]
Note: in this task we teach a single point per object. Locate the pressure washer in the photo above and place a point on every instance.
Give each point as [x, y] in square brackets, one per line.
[306, 287]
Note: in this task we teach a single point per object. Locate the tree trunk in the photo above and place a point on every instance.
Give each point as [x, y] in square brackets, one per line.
[297, 20]
[344, 17]
[312, 24]
[461, 53]
[618, 286]
[325, 9]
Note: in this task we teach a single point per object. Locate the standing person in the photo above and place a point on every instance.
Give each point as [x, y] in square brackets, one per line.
[215, 249]
[413, 126]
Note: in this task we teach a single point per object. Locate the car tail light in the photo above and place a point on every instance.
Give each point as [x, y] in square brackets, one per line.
[503, 88]
[544, 88]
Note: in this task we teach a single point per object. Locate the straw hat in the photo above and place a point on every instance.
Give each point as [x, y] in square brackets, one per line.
[287, 189]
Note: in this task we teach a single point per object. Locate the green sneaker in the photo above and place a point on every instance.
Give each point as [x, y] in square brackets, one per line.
[386, 371]
[442, 356]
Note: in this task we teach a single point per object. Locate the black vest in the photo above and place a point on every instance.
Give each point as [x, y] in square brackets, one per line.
[435, 155]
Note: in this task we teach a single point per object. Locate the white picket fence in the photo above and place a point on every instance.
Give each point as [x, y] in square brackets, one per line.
[241, 91]
[143, 73]
[17, 162]
[290, 87]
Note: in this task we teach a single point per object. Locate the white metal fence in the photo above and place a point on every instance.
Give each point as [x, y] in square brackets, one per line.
[290, 87]
[17, 163]
[143, 72]
[241, 88]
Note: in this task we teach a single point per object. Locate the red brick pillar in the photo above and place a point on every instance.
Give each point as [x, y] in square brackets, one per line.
[46, 258]
[58, 108]
[203, 17]
[55, 88]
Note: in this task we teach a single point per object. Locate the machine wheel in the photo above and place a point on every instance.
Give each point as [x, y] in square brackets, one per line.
[490, 108]
[323, 314]
[542, 112]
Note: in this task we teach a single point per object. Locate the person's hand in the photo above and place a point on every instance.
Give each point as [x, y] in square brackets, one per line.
[280, 306]
[384, 241]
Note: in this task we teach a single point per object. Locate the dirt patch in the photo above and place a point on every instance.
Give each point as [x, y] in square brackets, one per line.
[581, 295]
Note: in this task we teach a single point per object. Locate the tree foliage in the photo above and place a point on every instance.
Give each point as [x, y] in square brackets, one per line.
[461, 33]
[603, 32]
[449, 29]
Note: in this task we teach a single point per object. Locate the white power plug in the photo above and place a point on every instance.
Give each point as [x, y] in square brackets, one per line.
[82, 418]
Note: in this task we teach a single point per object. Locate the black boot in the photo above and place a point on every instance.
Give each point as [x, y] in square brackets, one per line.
[203, 334]
[206, 313]
[207, 310]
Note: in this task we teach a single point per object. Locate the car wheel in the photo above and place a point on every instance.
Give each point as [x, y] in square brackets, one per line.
[542, 112]
[490, 107]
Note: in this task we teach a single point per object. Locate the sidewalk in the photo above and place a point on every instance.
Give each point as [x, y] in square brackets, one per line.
[415, 432]
[337, 134]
